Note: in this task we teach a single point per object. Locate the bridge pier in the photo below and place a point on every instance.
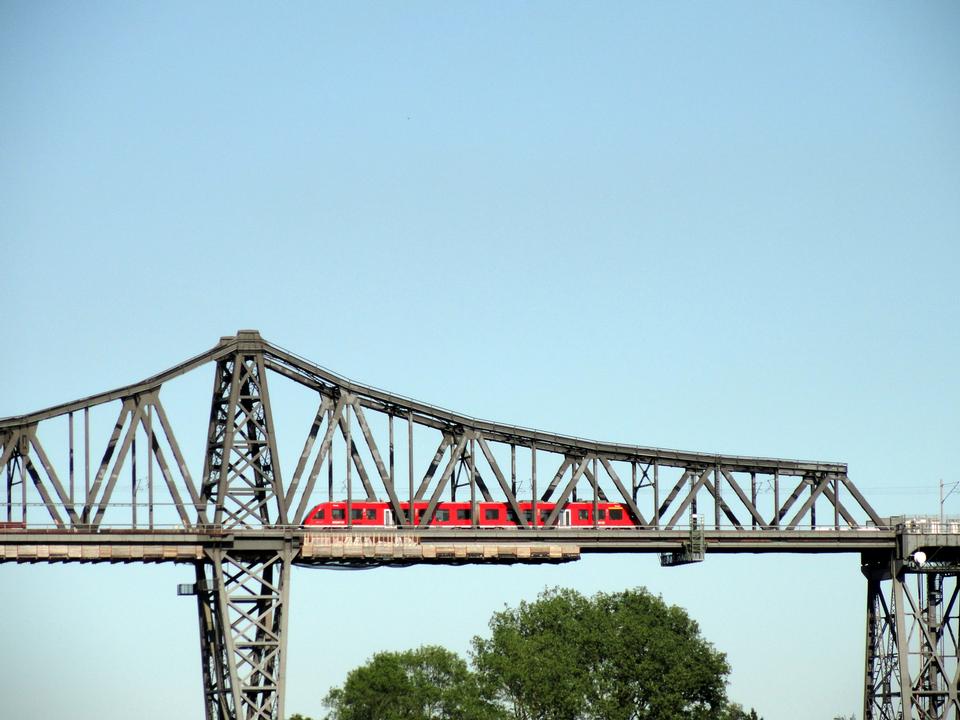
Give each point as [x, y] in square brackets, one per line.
[912, 663]
[242, 601]
[243, 589]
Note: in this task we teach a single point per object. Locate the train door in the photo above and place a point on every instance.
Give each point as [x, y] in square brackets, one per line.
[388, 518]
[565, 518]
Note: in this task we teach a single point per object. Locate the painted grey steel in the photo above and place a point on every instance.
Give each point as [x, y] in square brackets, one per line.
[242, 600]
[912, 662]
[243, 594]
[240, 521]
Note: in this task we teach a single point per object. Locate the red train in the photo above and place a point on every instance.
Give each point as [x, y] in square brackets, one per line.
[457, 514]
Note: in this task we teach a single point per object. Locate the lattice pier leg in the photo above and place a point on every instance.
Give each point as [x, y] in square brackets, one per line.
[242, 602]
[913, 640]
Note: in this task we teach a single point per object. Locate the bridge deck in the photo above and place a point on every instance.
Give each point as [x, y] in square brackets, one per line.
[413, 546]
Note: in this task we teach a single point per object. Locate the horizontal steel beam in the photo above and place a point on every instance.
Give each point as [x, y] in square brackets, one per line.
[72, 546]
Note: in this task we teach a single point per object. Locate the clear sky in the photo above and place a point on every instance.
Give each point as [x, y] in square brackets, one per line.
[725, 227]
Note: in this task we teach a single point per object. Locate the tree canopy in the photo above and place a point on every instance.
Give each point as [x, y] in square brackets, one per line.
[564, 656]
[429, 683]
[620, 656]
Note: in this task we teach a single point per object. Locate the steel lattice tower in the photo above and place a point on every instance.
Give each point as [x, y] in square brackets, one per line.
[913, 626]
[242, 594]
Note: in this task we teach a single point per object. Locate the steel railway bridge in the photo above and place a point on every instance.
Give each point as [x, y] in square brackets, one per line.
[240, 522]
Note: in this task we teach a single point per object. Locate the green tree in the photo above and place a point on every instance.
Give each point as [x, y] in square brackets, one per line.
[736, 712]
[620, 656]
[429, 683]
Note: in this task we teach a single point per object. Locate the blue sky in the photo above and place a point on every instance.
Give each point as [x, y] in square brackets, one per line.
[719, 227]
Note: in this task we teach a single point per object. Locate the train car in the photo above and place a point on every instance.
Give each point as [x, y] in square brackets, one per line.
[608, 515]
[365, 513]
[362, 512]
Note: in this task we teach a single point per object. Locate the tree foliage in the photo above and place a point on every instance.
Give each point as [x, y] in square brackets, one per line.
[620, 656]
[429, 683]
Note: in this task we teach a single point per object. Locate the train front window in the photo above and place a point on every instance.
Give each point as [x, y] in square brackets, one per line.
[338, 514]
[616, 514]
[318, 515]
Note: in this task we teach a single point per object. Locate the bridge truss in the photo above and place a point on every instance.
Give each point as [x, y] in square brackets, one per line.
[240, 522]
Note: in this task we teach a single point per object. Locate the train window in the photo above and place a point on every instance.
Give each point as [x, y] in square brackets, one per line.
[583, 514]
[463, 514]
[338, 514]
[319, 515]
[601, 514]
[356, 514]
[371, 514]
[616, 514]
[528, 516]
[442, 515]
[544, 514]
[491, 514]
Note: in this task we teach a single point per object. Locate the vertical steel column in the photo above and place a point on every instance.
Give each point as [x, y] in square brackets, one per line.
[150, 465]
[330, 460]
[912, 664]
[219, 701]
[70, 466]
[243, 593]
[594, 480]
[473, 481]
[776, 498]
[393, 474]
[656, 494]
[411, 511]
[348, 443]
[86, 464]
[243, 604]
[533, 486]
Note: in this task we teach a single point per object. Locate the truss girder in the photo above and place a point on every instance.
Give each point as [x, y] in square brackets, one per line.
[67, 506]
[912, 664]
[241, 484]
[242, 595]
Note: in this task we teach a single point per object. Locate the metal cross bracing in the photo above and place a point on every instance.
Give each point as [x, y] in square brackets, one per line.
[240, 520]
[366, 444]
[913, 625]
